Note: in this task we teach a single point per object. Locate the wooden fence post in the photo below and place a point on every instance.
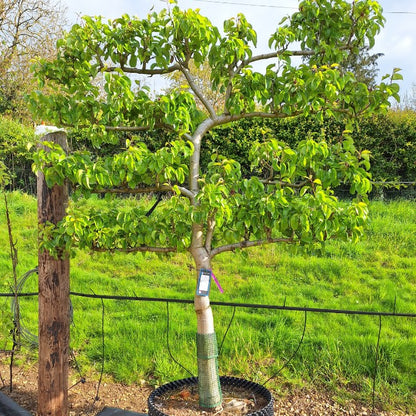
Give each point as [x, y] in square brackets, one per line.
[54, 304]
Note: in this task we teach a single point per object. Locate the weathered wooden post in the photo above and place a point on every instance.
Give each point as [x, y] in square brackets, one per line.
[54, 303]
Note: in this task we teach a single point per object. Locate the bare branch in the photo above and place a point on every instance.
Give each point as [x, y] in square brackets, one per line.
[276, 54]
[271, 55]
[246, 244]
[188, 193]
[198, 92]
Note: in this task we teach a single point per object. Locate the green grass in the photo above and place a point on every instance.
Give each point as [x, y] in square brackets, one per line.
[338, 351]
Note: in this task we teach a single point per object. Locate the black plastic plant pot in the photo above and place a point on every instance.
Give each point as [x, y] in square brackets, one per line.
[231, 382]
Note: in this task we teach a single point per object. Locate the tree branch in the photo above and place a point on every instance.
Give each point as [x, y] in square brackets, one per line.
[141, 249]
[188, 193]
[276, 54]
[141, 71]
[229, 89]
[196, 139]
[148, 190]
[126, 190]
[125, 128]
[246, 244]
[283, 183]
[198, 92]
[226, 118]
[271, 55]
[137, 128]
[210, 230]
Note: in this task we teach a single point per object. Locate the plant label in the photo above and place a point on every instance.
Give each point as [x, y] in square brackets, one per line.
[204, 283]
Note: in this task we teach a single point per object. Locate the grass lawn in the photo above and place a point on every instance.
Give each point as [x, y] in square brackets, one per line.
[337, 353]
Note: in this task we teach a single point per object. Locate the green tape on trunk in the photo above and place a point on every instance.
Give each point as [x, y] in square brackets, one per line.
[206, 346]
[210, 395]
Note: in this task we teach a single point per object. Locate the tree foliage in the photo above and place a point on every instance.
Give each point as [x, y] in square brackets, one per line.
[289, 194]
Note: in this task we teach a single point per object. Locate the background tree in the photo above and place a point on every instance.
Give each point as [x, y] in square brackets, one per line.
[409, 99]
[289, 196]
[363, 65]
[28, 29]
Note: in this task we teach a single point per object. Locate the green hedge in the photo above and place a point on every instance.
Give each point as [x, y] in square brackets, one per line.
[16, 142]
[391, 139]
[392, 142]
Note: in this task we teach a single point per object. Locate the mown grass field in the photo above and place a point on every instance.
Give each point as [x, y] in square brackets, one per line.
[338, 351]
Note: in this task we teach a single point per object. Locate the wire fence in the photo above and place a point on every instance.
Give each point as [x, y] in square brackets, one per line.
[32, 338]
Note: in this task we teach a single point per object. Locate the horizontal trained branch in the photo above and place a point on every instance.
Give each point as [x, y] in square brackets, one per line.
[140, 249]
[142, 71]
[246, 244]
[147, 190]
[271, 55]
[140, 128]
[286, 184]
[227, 118]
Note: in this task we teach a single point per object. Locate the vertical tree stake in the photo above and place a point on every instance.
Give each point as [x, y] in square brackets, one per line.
[53, 301]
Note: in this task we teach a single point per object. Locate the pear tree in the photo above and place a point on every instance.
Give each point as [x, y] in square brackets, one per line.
[95, 85]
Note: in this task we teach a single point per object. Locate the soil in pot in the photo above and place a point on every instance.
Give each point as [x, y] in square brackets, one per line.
[238, 400]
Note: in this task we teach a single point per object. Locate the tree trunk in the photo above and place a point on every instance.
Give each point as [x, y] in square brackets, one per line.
[53, 303]
[210, 396]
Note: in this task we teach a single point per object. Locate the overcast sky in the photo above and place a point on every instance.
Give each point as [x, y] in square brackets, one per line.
[397, 41]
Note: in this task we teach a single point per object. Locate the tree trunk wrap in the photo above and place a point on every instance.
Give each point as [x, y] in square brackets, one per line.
[210, 395]
[209, 389]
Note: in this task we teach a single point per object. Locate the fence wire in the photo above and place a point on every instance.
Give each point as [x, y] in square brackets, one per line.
[234, 305]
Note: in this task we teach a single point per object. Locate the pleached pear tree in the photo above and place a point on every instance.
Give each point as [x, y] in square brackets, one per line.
[93, 86]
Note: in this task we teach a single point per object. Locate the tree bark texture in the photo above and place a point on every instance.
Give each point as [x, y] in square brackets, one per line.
[54, 304]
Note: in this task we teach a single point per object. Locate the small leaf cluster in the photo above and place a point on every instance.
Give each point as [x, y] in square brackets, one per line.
[136, 166]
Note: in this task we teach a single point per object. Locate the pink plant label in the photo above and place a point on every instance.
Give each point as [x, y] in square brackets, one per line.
[217, 282]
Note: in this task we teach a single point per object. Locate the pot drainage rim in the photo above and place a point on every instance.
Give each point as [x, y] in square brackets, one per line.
[267, 410]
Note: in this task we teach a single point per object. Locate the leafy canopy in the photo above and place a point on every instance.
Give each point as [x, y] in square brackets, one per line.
[289, 196]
